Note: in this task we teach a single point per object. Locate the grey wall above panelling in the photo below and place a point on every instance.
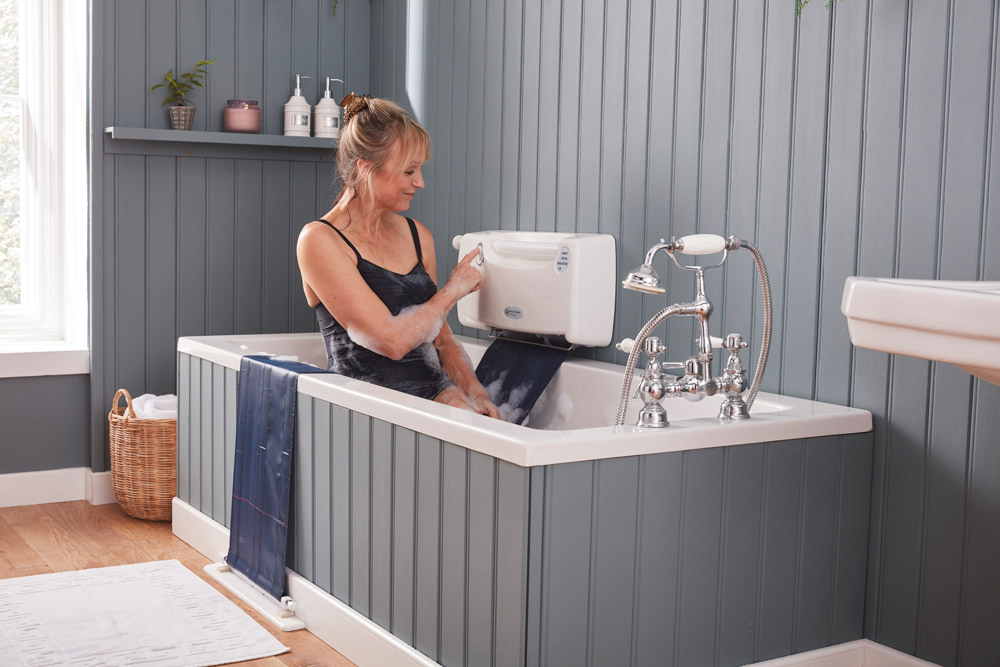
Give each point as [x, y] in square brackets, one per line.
[185, 245]
[857, 140]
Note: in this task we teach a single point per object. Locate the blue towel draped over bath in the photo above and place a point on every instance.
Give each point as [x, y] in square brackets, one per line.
[515, 373]
[265, 431]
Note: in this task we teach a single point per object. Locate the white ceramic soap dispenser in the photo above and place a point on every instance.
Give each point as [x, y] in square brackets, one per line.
[327, 115]
[298, 112]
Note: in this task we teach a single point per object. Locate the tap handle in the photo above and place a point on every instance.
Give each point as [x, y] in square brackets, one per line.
[700, 244]
[734, 342]
[626, 345]
[653, 346]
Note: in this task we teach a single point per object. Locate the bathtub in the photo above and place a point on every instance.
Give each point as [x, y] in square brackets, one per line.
[445, 537]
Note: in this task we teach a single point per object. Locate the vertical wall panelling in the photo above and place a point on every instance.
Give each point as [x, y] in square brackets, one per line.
[514, 95]
[481, 578]
[427, 563]
[404, 475]
[807, 175]
[192, 246]
[277, 50]
[700, 543]
[161, 36]
[129, 282]
[511, 563]
[222, 39]
[381, 520]
[221, 287]
[185, 245]
[590, 113]
[841, 201]
[566, 166]
[341, 463]
[740, 554]
[977, 637]
[361, 452]
[248, 278]
[776, 599]
[742, 305]
[278, 247]
[454, 490]
[161, 272]
[612, 573]
[194, 44]
[635, 163]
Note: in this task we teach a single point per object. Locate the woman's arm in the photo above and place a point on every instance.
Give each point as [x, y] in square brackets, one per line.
[332, 276]
[454, 360]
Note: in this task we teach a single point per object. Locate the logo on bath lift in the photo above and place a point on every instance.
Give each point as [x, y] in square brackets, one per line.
[513, 312]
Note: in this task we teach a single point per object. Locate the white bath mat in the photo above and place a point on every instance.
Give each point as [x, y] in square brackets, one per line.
[156, 613]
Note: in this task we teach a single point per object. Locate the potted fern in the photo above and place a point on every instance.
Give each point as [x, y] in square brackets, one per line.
[181, 110]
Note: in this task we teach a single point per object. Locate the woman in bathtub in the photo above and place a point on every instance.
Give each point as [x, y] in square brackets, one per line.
[368, 271]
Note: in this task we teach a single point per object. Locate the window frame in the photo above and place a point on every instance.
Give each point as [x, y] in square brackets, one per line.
[47, 333]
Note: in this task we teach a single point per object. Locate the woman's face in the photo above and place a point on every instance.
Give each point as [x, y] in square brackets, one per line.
[394, 188]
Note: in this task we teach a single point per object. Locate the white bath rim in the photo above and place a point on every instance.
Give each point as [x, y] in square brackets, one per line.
[787, 418]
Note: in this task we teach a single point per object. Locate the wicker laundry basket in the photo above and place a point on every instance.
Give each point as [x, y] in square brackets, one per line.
[143, 461]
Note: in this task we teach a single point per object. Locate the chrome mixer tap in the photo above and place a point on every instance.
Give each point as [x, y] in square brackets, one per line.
[697, 381]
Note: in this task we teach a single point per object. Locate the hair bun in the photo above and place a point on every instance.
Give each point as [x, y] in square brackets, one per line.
[352, 104]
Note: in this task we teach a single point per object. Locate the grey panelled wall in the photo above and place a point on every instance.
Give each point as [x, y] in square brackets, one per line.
[854, 141]
[187, 243]
[718, 556]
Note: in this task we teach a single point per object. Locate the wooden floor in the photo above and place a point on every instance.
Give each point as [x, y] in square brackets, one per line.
[59, 537]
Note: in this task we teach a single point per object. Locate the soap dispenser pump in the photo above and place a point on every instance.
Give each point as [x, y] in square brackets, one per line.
[327, 114]
[298, 114]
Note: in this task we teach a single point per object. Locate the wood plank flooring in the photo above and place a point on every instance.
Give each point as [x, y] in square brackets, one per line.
[59, 537]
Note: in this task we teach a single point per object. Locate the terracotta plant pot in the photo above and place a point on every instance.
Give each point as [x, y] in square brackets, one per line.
[181, 117]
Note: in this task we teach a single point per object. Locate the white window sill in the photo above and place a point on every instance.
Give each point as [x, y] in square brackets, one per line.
[37, 359]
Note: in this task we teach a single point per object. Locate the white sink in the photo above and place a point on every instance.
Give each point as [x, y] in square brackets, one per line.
[956, 321]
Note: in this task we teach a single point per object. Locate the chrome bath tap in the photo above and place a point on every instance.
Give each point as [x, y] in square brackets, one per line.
[697, 381]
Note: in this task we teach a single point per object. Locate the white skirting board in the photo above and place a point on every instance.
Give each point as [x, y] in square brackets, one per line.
[356, 637]
[364, 642]
[55, 486]
[861, 653]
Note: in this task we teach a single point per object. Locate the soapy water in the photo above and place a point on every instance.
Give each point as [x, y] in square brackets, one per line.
[515, 374]
[418, 322]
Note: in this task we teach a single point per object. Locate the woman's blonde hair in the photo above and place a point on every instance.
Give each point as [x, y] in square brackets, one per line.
[372, 126]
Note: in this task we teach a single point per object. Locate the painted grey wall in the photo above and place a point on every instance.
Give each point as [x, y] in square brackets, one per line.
[44, 423]
[854, 141]
[191, 240]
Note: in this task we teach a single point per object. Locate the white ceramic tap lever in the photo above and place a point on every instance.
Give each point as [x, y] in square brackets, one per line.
[701, 244]
[456, 242]
[626, 345]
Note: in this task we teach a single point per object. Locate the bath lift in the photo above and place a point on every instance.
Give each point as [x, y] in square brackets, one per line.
[697, 381]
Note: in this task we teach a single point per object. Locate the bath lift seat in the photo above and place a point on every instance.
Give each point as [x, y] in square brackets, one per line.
[280, 613]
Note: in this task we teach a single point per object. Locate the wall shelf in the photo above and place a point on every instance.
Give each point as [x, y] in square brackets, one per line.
[194, 143]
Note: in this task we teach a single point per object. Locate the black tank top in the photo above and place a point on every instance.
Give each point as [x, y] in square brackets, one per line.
[419, 372]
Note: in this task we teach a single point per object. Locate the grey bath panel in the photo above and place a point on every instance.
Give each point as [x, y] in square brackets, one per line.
[720, 556]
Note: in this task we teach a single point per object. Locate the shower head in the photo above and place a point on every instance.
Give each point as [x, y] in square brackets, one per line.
[644, 279]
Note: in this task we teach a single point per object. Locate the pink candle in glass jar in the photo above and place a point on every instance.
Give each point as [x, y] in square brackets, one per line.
[241, 116]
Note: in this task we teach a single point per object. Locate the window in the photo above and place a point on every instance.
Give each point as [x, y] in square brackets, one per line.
[43, 187]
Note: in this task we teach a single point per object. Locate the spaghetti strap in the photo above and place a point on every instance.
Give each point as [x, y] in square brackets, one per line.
[351, 245]
[416, 239]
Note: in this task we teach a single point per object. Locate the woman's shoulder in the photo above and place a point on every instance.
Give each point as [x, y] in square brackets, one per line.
[318, 237]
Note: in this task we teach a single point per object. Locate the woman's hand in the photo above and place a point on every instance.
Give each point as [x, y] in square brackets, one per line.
[482, 404]
[465, 278]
